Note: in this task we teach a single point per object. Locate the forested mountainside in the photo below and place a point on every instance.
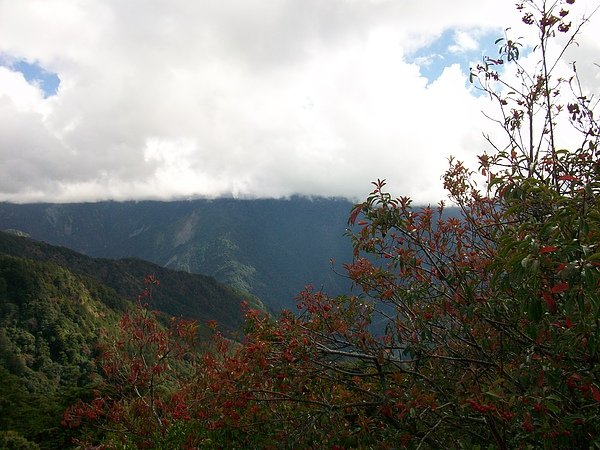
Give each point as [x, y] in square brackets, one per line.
[55, 307]
[181, 294]
[50, 322]
[271, 248]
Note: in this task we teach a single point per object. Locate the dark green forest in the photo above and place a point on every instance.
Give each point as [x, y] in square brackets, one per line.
[193, 296]
[50, 323]
[56, 306]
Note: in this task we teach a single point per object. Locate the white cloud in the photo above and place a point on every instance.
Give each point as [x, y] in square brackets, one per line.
[21, 95]
[463, 42]
[251, 98]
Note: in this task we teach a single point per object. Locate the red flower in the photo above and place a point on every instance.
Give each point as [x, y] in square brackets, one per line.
[527, 425]
[596, 393]
[560, 287]
[550, 302]
[567, 178]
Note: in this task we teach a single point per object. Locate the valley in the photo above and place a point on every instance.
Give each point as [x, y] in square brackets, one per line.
[270, 248]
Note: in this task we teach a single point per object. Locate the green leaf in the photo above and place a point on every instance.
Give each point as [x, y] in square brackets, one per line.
[594, 257]
[493, 394]
[552, 407]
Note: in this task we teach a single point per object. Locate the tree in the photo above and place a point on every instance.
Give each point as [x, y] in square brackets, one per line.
[145, 370]
[463, 331]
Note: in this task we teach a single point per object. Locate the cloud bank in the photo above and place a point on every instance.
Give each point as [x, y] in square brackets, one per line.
[249, 98]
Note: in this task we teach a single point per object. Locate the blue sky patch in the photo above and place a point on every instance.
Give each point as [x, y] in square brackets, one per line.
[463, 47]
[35, 74]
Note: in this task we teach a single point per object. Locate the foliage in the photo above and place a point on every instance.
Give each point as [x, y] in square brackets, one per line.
[55, 305]
[11, 440]
[470, 331]
[35, 416]
[50, 322]
[145, 369]
[189, 295]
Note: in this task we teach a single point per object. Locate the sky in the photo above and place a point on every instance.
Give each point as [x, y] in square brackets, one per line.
[155, 99]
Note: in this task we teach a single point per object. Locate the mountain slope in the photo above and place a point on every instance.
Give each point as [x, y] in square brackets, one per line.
[271, 248]
[55, 307]
[182, 294]
[50, 320]
[50, 323]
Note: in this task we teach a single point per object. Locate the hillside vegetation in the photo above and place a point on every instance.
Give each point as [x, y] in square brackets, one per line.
[192, 296]
[58, 306]
[50, 322]
[270, 248]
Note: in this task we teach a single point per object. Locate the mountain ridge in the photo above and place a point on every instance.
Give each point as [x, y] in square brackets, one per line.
[271, 248]
[182, 294]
